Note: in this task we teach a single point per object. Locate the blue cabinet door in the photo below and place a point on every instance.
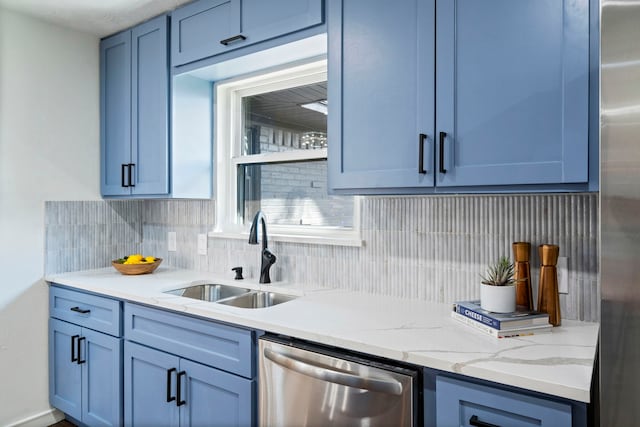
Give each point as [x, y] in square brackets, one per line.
[209, 27]
[101, 360]
[215, 398]
[381, 94]
[149, 380]
[115, 113]
[150, 108]
[65, 374]
[262, 20]
[512, 92]
[199, 28]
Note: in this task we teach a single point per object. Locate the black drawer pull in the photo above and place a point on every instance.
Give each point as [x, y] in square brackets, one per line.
[131, 180]
[443, 135]
[122, 172]
[474, 421]
[421, 141]
[80, 361]
[74, 358]
[169, 397]
[80, 310]
[180, 402]
[226, 42]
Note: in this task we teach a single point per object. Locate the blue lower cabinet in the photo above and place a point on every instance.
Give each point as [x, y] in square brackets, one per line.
[65, 375]
[165, 390]
[85, 374]
[460, 403]
[214, 398]
[150, 387]
[101, 379]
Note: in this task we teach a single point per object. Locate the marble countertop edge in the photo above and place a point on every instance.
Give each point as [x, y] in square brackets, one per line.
[412, 331]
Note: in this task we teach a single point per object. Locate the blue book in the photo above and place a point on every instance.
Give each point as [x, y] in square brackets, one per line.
[500, 321]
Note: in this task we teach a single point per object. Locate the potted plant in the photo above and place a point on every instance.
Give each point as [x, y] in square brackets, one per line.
[497, 290]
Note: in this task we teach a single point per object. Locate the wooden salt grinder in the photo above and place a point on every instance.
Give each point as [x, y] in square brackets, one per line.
[548, 297]
[522, 274]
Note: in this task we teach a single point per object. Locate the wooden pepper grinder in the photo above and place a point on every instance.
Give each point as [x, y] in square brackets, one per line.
[522, 274]
[548, 297]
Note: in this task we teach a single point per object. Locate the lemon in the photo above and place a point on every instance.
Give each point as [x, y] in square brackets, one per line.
[138, 259]
[135, 259]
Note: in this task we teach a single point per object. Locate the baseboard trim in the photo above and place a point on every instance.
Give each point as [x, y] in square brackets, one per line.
[43, 419]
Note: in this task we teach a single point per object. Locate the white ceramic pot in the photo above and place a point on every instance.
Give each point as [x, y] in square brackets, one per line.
[498, 299]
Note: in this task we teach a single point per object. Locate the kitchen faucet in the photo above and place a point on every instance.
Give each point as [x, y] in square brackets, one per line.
[268, 259]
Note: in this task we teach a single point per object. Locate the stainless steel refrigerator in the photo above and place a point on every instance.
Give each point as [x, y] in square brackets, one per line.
[620, 213]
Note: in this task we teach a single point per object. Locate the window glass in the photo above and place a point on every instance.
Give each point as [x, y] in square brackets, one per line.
[273, 129]
[292, 194]
[284, 120]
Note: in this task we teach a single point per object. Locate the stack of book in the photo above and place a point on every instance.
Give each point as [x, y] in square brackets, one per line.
[501, 325]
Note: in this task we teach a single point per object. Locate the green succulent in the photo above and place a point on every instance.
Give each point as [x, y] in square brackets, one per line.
[500, 273]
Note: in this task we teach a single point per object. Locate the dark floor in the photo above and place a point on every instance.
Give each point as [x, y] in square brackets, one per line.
[63, 423]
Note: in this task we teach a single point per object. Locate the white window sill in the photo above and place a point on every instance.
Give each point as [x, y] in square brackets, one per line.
[342, 239]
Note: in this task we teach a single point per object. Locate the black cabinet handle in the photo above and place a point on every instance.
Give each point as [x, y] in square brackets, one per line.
[122, 172]
[74, 358]
[421, 141]
[131, 180]
[80, 361]
[474, 421]
[232, 39]
[169, 397]
[80, 310]
[443, 135]
[180, 402]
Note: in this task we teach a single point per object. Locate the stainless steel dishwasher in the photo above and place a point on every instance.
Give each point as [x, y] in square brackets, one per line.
[305, 385]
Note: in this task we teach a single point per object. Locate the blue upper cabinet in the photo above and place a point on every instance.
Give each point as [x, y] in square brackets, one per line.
[134, 119]
[381, 94]
[115, 113]
[209, 27]
[512, 92]
[150, 108]
[198, 29]
[506, 109]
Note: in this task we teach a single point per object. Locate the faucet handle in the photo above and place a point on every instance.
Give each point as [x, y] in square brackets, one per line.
[238, 271]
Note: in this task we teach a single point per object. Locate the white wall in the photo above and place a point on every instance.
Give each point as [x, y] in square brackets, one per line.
[49, 150]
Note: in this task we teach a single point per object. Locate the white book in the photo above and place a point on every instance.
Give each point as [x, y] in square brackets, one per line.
[518, 332]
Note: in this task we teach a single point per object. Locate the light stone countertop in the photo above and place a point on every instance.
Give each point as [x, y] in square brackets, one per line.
[559, 363]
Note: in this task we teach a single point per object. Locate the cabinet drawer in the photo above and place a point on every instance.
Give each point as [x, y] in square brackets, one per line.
[225, 347]
[198, 28]
[207, 28]
[458, 403]
[90, 311]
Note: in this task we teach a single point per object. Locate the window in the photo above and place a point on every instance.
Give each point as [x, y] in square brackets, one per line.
[271, 150]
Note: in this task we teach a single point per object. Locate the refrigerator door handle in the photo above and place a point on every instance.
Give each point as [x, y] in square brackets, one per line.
[324, 374]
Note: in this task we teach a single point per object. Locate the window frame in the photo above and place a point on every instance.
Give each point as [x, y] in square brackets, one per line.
[228, 124]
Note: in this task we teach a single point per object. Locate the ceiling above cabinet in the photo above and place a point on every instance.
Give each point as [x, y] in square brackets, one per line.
[101, 18]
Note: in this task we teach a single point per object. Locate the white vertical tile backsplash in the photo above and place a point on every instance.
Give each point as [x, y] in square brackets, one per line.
[425, 247]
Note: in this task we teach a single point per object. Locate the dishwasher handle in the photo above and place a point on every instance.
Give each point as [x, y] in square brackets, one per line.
[324, 374]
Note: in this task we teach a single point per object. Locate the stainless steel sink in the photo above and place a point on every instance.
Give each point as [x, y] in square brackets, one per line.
[209, 292]
[257, 299]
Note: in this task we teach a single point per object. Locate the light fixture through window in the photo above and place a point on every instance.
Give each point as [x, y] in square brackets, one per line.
[319, 106]
[314, 140]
